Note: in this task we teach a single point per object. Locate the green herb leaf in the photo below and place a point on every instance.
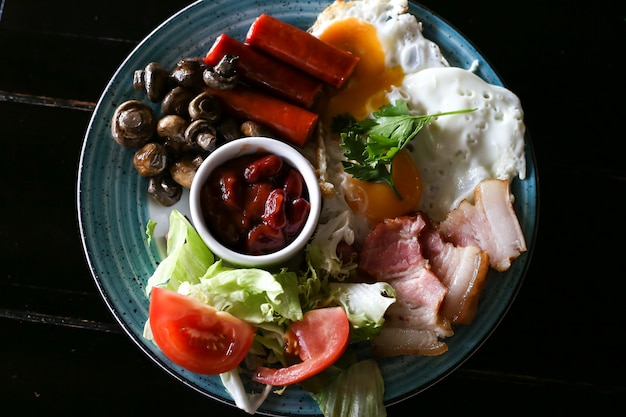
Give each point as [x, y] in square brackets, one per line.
[371, 144]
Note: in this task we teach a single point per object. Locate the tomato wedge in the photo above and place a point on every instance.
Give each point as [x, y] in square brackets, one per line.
[321, 338]
[197, 336]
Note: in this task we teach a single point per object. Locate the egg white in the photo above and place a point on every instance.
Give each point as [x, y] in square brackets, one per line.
[454, 153]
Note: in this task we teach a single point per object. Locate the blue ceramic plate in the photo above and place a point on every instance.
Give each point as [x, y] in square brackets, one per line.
[114, 209]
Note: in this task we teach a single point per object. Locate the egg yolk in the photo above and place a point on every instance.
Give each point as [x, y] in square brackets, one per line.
[365, 91]
[377, 201]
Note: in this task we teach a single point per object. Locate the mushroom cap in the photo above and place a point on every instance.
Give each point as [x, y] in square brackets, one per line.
[205, 106]
[163, 189]
[133, 124]
[151, 159]
[156, 81]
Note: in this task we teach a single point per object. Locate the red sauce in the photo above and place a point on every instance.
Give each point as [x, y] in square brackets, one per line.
[255, 204]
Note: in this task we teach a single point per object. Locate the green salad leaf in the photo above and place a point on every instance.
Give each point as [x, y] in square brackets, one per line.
[251, 294]
[188, 257]
[357, 391]
[365, 304]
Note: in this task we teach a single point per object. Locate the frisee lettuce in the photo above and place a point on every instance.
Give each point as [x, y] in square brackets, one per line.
[365, 304]
[322, 251]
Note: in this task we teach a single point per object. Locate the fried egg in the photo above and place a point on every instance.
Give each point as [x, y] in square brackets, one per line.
[389, 42]
[450, 155]
[455, 153]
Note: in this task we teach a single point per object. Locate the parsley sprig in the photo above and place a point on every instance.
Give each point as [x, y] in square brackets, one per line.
[371, 144]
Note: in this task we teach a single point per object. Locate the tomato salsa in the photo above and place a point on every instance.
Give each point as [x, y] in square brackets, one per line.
[255, 204]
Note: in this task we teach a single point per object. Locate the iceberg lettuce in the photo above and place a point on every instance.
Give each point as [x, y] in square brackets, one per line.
[188, 257]
[357, 391]
[251, 294]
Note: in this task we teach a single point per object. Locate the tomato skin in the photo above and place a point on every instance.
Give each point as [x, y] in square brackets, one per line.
[319, 339]
[197, 336]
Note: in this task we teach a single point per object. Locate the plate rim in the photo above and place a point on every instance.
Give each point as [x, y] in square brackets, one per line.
[118, 315]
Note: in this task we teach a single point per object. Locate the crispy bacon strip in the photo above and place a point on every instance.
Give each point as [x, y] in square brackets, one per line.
[462, 269]
[491, 224]
[438, 270]
[392, 253]
[392, 247]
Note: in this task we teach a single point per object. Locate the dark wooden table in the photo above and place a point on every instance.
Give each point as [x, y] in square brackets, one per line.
[559, 350]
